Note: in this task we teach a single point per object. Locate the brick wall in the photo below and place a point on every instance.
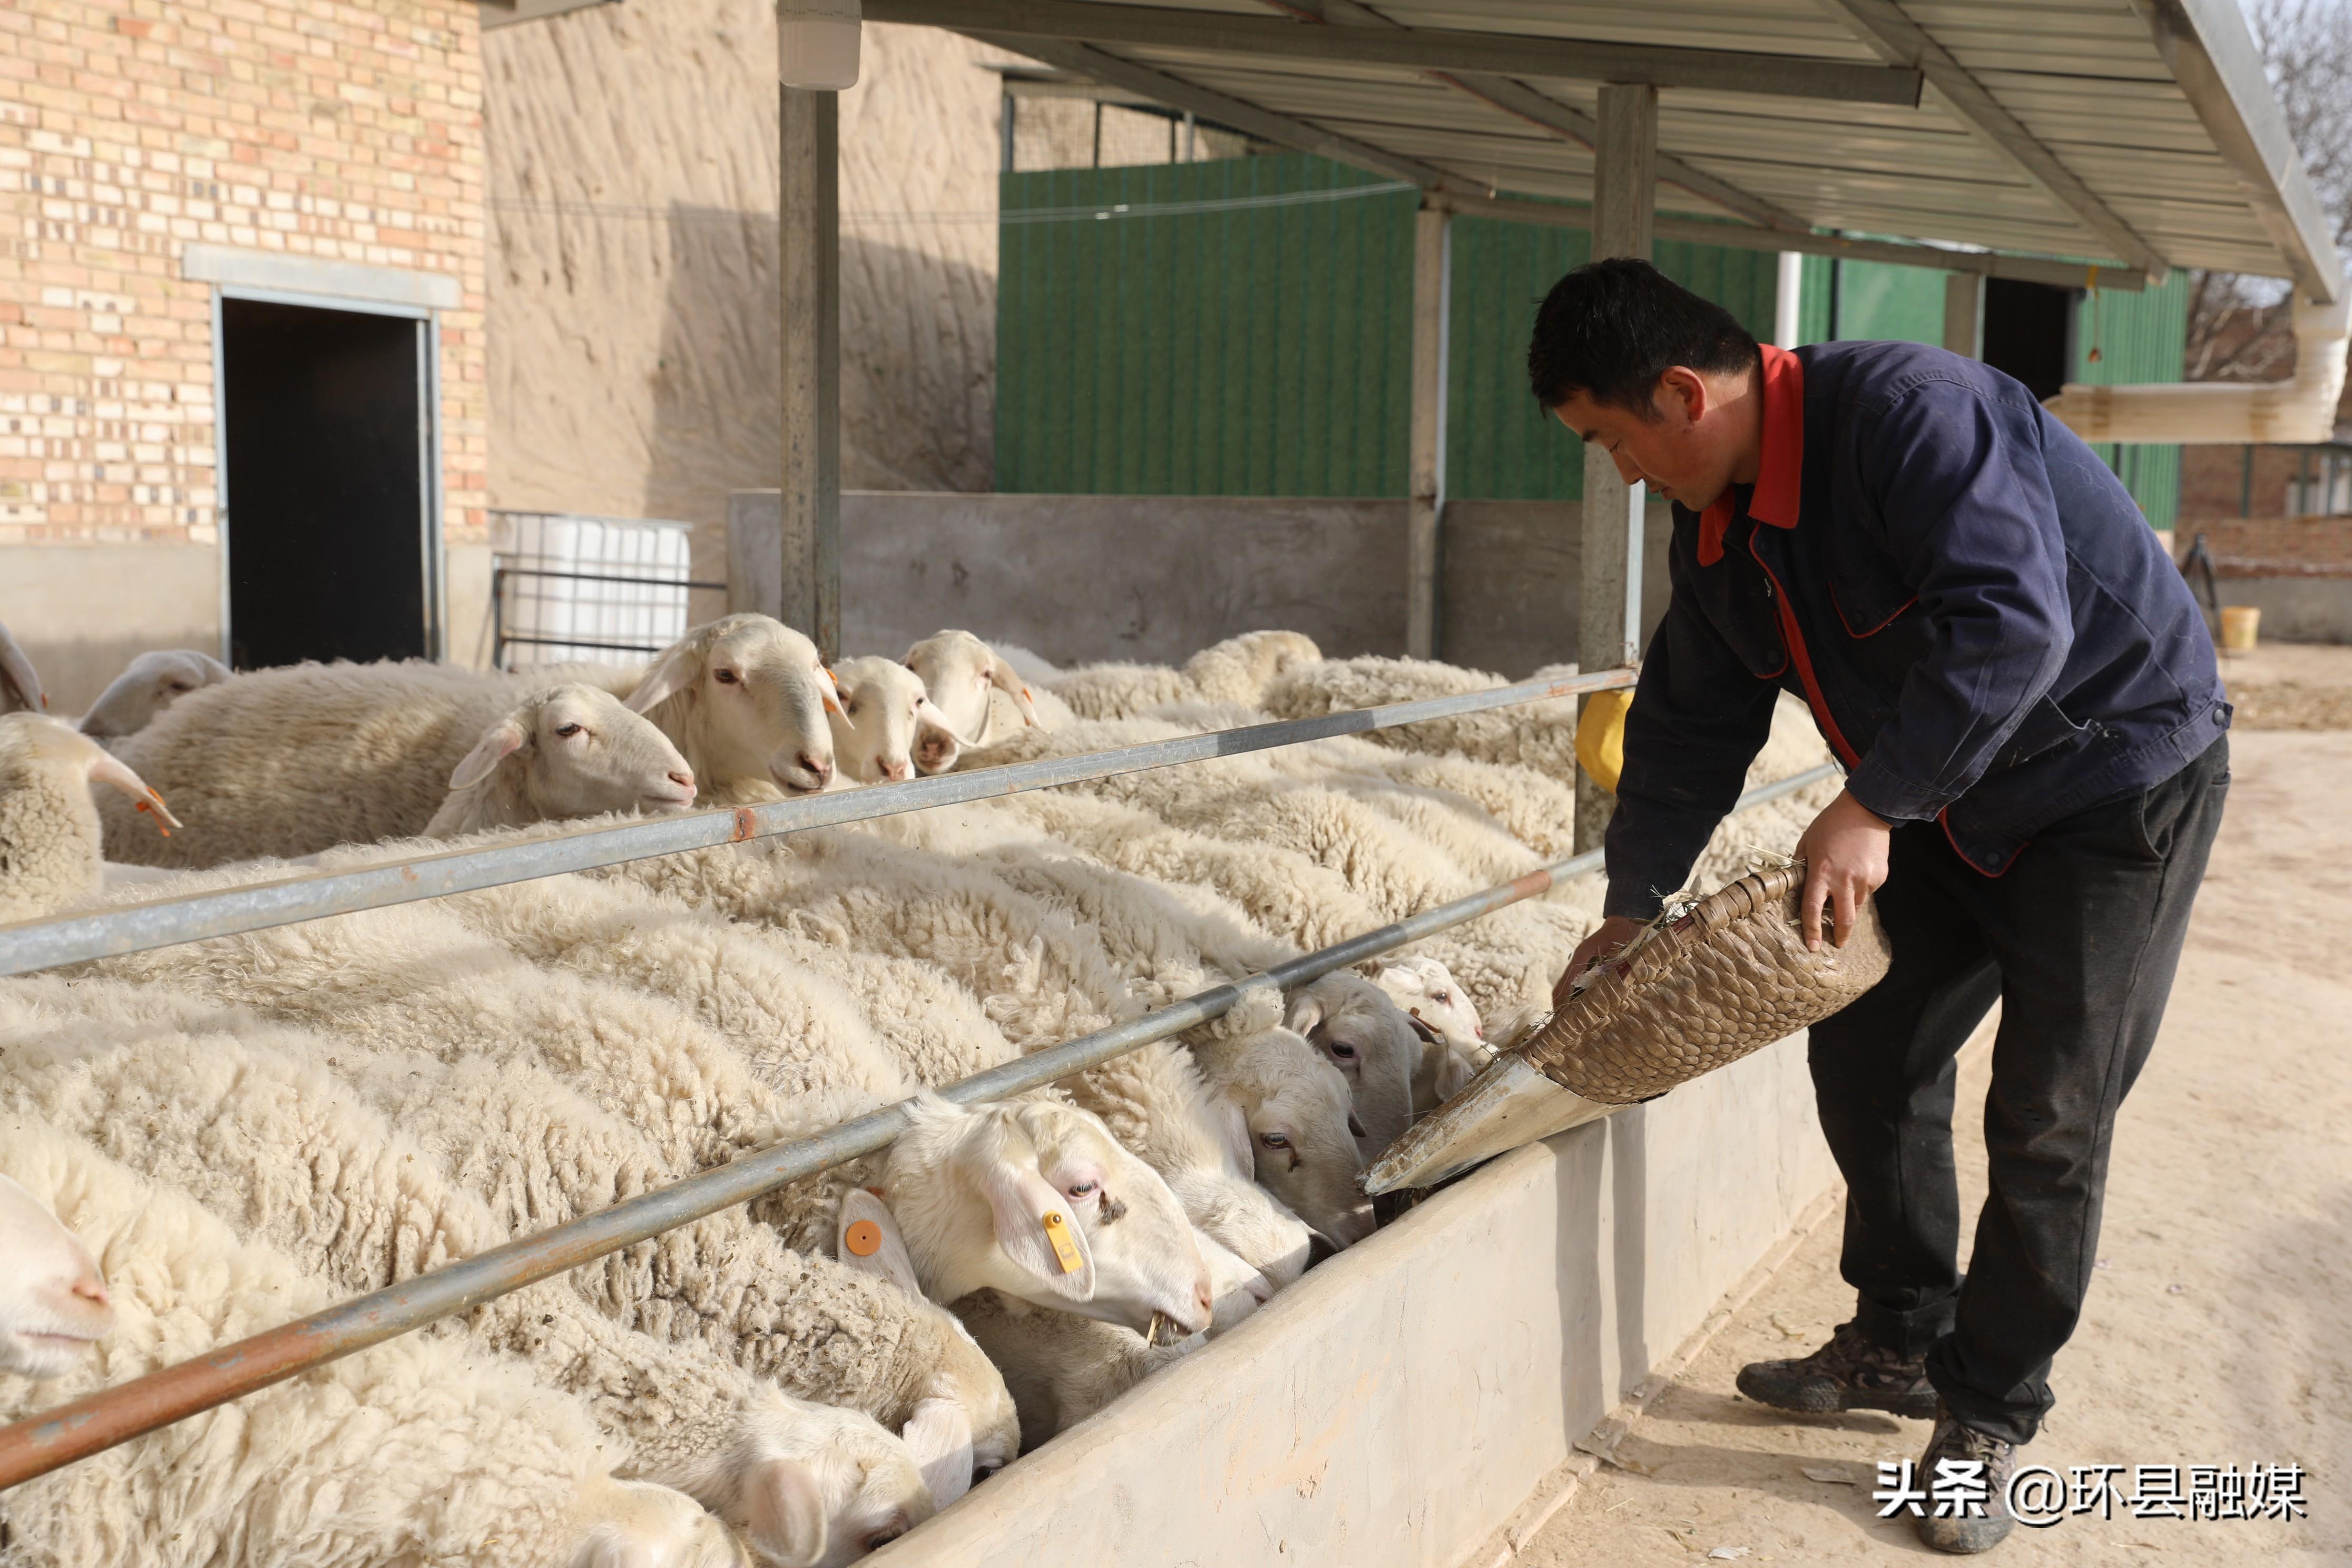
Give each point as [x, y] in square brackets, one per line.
[2275, 547]
[343, 130]
[2213, 483]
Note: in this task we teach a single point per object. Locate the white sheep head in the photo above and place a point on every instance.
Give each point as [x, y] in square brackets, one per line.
[1237, 1288]
[1286, 1112]
[1370, 1041]
[148, 685]
[569, 751]
[980, 1195]
[960, 671]
[20, 683]
[1453, 1038]
[746, 698]
[887, 721]
[630, 1524]
[50, 841]
[812, 1486]
[965, 1426]
[53, 1303]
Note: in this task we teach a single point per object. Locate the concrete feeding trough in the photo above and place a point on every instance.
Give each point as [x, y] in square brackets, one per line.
[1398, 1403]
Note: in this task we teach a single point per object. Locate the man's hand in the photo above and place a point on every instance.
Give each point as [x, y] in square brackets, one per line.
[1845, 852]
[1613, 933]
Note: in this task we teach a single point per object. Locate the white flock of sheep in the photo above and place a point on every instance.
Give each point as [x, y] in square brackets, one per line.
[201, 1141]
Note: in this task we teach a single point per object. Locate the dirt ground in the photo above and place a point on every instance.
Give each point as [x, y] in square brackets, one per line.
[2219, 1329]
[2291, 686]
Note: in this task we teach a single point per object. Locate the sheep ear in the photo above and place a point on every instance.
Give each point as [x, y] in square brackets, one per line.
[828, 690]
[499, 743]
[1022, 1200]
[675, 671]
[1424, 1030]
[938, 1434]
[783, 1512]
[1303, 1015]
[868, 1239]
[1232, 1126]
[107, 768]
[928, 714]
[1005, 678]
[17, 671]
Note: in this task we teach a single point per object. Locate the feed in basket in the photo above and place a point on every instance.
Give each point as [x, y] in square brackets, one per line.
[1705, 984]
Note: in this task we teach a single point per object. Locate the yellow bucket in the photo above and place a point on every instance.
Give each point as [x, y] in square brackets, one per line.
[2239, 625]
[1601, 737]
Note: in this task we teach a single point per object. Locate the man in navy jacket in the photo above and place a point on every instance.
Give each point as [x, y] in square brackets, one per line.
[1993, 643]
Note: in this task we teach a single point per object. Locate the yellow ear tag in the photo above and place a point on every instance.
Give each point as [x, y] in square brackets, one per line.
[1066, 1245]
[863, 1238]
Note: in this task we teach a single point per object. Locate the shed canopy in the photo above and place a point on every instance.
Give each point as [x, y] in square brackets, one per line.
[2140, 134]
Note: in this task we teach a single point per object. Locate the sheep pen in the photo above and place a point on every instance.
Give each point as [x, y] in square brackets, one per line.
[538, 1051]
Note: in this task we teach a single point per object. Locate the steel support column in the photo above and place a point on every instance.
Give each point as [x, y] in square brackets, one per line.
[1964, 313]
[1430, 308]
[808, 273]
[1608, 583]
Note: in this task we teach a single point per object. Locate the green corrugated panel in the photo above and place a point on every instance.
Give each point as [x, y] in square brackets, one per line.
[1267, 350]
[1237, 351]
[2141, 337]
[1890, 304]
[1498, 445]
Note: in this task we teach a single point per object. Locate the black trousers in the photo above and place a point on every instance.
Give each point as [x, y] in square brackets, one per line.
[2078, 940]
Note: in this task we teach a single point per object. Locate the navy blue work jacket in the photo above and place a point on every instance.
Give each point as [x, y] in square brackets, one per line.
[1986, 630]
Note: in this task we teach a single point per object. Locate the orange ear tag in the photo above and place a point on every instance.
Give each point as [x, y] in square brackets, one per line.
[1066, 1245]
[864, 1238]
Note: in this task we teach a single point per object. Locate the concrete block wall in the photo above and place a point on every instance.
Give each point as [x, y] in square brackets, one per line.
[1157, 578]
[1395, 1407]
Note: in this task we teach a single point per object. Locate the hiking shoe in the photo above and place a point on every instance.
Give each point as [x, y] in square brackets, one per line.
[1966, 1475]
[1847, 1373]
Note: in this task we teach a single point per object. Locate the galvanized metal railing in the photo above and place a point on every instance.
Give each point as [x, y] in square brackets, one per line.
[28, 945]
[42, 1443]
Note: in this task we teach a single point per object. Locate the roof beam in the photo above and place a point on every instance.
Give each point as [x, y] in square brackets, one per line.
[1743, 237]
[1240, 115]
[1521, 101]
[1419, 50]
[1901, 41]
[1524, 103]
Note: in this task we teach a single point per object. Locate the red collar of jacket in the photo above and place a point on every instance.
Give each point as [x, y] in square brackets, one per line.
[1774, 500]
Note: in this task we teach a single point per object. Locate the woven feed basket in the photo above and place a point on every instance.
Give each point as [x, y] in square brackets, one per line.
[1730, 976]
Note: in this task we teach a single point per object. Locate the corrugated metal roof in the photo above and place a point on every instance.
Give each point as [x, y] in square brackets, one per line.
[2158, 108]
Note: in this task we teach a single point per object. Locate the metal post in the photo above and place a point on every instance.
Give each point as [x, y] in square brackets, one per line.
[1430, 305]
[1964, 313]
[808, 271]
[1789, 301]
[1609, 585]
[1012, 106]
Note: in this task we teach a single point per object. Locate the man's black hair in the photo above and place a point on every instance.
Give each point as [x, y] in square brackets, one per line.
[1610, 328]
